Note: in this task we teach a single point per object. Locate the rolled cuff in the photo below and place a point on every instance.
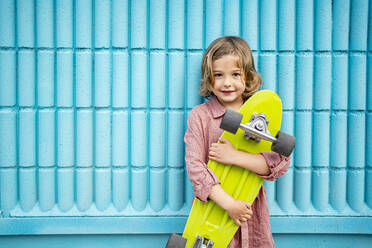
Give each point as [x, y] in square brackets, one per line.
[202, 188]
[278, 165]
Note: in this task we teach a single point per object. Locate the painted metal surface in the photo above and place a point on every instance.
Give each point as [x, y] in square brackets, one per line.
[94, 97]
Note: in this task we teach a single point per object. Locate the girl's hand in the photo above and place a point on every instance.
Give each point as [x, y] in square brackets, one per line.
[240, 211]
[223, 152]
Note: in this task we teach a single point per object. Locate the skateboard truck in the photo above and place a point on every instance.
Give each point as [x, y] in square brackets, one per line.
[177, 241]
[202, 242]
[256, 129]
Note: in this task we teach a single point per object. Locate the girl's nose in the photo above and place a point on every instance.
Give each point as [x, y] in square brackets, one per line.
[227, 82]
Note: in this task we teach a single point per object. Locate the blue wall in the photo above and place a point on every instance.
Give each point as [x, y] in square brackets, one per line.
[94, 97]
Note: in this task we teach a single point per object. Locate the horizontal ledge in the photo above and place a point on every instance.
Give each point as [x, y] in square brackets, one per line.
[159, 225]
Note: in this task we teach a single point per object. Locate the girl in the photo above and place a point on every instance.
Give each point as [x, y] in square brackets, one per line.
[230, 78]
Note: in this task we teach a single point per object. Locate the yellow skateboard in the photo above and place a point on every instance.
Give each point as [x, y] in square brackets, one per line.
[254, 129]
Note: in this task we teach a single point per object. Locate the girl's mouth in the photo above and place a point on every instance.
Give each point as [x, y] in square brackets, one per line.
[227, 92]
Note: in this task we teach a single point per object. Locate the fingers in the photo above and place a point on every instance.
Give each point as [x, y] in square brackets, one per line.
[237, 221]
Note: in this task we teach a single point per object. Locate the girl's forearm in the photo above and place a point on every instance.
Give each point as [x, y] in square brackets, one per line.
[221, 197]
[252, 162]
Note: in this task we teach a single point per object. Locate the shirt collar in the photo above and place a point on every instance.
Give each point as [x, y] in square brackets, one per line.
[217, 108]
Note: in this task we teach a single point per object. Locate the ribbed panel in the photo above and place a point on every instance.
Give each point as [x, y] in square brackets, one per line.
[94, 97]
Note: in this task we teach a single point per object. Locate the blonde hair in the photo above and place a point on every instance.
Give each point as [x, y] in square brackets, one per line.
[229, 45]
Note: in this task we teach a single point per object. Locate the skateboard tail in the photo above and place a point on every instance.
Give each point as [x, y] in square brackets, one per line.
[216, 223]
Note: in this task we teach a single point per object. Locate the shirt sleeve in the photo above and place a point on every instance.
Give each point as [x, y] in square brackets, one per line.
[278, 165]
[201, 177]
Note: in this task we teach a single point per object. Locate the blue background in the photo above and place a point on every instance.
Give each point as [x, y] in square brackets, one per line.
[94, 98]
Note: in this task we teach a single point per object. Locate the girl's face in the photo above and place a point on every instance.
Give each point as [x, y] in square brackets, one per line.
[229, 83]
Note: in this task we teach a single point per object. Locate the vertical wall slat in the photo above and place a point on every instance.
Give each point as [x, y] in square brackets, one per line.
[84, 188]
[8, 189]
[193, 79]
[175, 188]
[45, 23]
[176, 74]
[175, 139]
[286, 80]
[232, 18]
[157, 79]
[357, 86]
[157, 188]
[268, 22]
[7, 78]
[267, 69]
[359, 25]
[26, 78]
[102, 81]
[27, 138]
[8, 141]
[25, 24]
[64, 23]
[7, 24]
[304, 81]
[157, 139]
[45, 76]
[250, 23]
[284, 185]
[65, 74]
[65, 146]
[304, 25]
[120, 84]
[102, 31]
[83, 23]
[340, 24]
[65, 188]
[139, 79]
[368, 185]
[84, 138]
[120, 138]
[322, 82]
[83, 78]
[139, 138]
[46, 185]
[103, 138]
[340, 82]
[323, 25]
[120, 187]
[176, 23]
[338, 160]
[214, 20]
[356, 140]
[286, 25]
[120, 23]
[138, 27]
[27, 188]
[102, 188]
[356, 160]
[157, 23]
[320, 142]
[46, 138]
[303, 133]
[139, 187]
[195, 26]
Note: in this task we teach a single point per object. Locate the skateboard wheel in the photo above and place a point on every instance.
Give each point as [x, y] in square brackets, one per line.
[176, 241]
[284, 144]
[231, 121]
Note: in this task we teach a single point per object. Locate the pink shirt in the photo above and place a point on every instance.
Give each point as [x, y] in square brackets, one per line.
[203, 130]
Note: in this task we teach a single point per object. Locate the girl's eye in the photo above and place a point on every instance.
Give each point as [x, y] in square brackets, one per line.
[218, 75]
[236, 74]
